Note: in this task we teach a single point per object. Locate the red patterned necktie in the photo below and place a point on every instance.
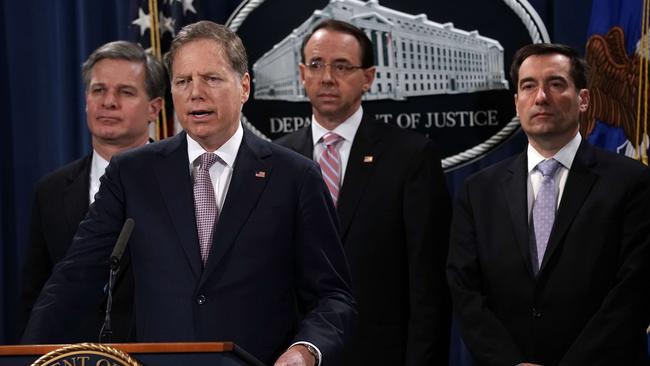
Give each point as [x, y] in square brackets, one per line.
[205, 203]
[330, 164]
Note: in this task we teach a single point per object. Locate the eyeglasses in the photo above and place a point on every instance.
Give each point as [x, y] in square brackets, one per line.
[338, 69]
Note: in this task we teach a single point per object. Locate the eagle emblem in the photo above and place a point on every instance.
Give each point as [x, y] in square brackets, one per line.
[618, 90]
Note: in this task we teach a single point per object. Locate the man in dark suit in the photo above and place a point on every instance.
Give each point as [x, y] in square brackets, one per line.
[124, 89]
[391, 199]
[550, 266]
[235, 238]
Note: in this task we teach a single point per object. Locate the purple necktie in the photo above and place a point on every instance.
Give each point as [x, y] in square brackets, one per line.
[205, 203]
[544, 208]
[330, 164]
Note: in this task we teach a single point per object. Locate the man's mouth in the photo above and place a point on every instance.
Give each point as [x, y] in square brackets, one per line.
[200, 113]
[327, 95]
[108, 119]
[542, 114]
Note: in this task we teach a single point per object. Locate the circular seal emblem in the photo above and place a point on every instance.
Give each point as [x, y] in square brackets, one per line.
[441, 66]
[86, 354]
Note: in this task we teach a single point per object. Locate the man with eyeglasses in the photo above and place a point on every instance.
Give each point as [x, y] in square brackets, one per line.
[235, 238]
[391, 198]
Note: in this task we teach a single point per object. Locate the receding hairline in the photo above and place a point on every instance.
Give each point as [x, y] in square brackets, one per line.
[221, 50]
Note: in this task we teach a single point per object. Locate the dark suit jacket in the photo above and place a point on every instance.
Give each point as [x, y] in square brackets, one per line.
[275, 255]
[60, 203]
[395, 214]
[589, 303]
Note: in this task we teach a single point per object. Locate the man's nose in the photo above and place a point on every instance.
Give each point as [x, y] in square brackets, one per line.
[540, 95]
[110, 101]
[196, 89]
[327, 76]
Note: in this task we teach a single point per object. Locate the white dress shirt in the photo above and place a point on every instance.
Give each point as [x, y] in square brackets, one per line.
[97, 168]
[220, 174]
[565, 157]
[347, 130]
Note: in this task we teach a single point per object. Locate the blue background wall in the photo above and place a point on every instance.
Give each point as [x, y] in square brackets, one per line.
[41, 95]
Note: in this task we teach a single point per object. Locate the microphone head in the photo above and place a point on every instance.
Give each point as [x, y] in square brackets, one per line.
[122, 240]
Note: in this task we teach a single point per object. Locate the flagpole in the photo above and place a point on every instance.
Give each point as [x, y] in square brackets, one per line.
[642, 90]
[156, 50]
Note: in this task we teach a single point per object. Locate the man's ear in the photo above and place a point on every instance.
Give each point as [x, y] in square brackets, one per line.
[246, 87]
[583, 100]
[369, 77]
[155, 105]
[302, 68]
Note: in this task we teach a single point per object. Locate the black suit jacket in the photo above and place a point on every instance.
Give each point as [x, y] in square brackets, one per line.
[60, 203]
[589, 303]
[394, 212]
[276, 272]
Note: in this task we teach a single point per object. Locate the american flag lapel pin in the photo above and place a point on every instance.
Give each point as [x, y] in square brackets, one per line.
[260, 174]
[368, 159]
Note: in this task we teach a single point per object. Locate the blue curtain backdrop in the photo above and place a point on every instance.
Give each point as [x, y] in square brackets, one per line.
[43, 126]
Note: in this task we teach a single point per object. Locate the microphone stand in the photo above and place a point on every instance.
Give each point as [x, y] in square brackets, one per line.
[106, 332]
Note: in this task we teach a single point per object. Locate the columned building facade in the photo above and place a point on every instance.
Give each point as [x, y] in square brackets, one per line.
[414, 56]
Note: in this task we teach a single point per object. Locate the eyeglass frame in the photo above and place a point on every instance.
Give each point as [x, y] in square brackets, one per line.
[317, 67]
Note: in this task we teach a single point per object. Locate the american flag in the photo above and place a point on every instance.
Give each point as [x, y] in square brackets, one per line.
[154, 23]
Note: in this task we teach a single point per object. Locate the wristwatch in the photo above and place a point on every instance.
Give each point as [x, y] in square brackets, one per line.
[313, 351]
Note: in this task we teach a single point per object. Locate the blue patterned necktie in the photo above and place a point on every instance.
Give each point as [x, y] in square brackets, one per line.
[205, 203]
[544, 208]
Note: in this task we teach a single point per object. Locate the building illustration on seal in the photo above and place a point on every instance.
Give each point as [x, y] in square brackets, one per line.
[414, 56]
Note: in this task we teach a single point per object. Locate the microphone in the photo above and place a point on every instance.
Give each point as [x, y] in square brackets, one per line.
[120, 245]
[106, 333]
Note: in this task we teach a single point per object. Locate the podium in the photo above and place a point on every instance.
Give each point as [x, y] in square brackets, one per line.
[146, 354]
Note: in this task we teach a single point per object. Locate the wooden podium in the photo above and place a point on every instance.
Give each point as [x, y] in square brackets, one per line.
[147, 354]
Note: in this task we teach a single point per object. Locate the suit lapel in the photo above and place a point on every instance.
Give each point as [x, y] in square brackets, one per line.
[358, 171]
[578, 185]
[173, 175]
[246, 186]
[75, 194]
[515, 193]
[304, 143]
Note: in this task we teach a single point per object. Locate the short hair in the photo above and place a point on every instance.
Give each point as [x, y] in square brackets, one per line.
[367, 50]
[579, 68]
[154, 72]
[227, 39]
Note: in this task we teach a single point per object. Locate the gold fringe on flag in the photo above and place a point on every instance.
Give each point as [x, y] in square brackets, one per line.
[642, 139]
[154, 33]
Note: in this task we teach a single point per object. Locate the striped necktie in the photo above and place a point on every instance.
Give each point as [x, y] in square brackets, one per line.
[330, 164]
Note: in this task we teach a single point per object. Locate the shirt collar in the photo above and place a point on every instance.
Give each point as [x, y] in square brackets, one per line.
[99, 164]
[227, 152]
[565, 156]
[347, 129]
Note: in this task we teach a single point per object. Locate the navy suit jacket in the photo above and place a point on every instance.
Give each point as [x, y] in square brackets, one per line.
[395, 212]
[60, 203]
[276, 272]
[588, 305]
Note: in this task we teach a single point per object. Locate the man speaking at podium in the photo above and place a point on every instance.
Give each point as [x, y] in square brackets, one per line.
[235, 238]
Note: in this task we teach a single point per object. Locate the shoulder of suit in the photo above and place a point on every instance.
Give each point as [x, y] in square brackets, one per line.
[496, 171]
[292, 138]
[283, 152]
[623, 161]
[147, 151]
[399, 139]
[395, 132]
[611, 163]
[61, 175]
